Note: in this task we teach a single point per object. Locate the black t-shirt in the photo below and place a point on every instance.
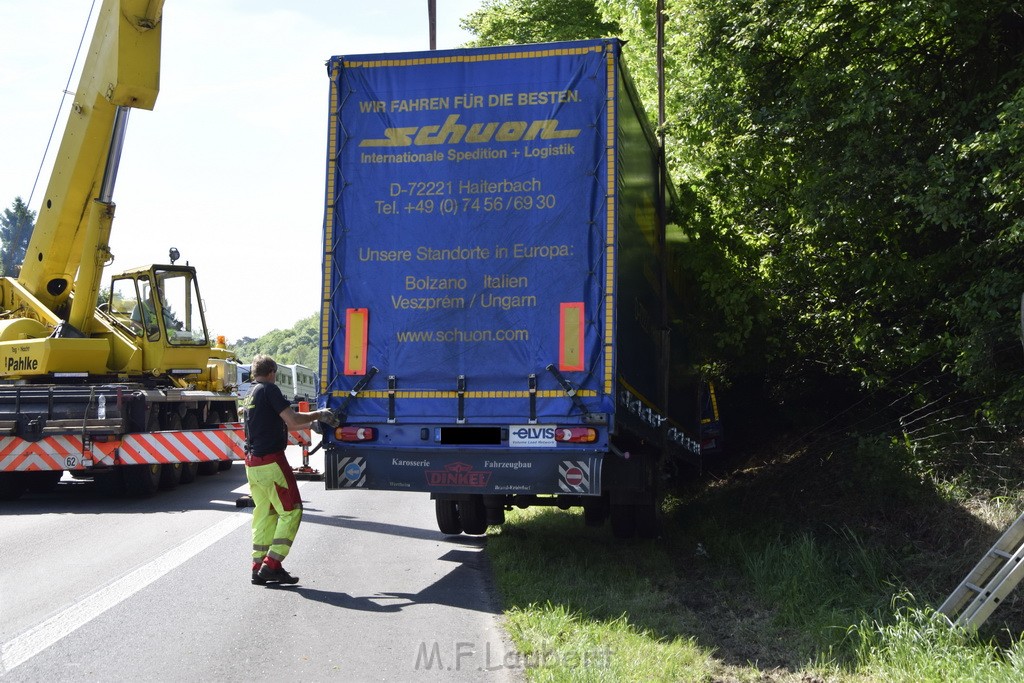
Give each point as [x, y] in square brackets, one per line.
[268, 433]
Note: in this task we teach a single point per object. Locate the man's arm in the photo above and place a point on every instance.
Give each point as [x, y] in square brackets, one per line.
[297, 420]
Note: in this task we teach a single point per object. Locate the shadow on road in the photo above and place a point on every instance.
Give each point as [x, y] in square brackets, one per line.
[85, 497]
[344, 600]
[357, 524]
[450, 590]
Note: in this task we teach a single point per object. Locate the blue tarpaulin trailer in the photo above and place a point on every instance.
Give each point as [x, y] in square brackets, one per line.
[494, 290]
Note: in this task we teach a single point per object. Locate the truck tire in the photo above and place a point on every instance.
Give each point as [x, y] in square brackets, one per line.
[142, 481]
[43, 482]
[110, 484]
[447, 512]
[495, 516]
[208, 468]
[170, 475]
[473, 515]
[189, 472]
[12, 485]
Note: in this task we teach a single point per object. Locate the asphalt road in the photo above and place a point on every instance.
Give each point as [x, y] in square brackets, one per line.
[95, 589]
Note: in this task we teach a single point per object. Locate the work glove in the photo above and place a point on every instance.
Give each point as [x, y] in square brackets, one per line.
[327, 416]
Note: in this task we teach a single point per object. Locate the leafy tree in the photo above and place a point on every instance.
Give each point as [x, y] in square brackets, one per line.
[851, 184]
[500, 22]
[855, 148]
[299, 344]
[16, 226]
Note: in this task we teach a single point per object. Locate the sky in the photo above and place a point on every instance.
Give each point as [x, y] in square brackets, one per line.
[229, 166]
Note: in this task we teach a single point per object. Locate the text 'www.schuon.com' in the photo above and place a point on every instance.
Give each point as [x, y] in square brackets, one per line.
[458, 335]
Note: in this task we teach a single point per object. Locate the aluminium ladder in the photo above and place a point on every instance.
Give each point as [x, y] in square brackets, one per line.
[991, 580]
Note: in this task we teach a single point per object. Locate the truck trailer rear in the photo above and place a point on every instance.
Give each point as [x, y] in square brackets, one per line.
[496, 287]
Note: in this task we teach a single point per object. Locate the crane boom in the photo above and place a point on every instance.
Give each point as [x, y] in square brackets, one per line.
[121, 71]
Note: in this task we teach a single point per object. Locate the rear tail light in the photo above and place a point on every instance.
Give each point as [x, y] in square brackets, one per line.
[355, 433]
[576, 434]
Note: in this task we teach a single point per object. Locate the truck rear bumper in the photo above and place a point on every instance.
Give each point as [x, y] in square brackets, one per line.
[465, 471]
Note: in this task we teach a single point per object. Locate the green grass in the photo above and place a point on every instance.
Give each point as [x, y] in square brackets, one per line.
[800, 573]
[592, 610]
[918, 645]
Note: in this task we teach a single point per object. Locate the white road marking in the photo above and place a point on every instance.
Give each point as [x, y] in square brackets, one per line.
[30, 643]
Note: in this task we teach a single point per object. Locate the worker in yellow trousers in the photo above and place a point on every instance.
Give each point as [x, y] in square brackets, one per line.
[275, 494]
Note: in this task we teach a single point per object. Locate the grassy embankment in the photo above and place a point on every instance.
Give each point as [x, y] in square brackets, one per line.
[812, 566]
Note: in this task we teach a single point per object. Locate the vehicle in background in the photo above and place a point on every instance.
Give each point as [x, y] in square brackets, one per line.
[297, 382]
[244, 384]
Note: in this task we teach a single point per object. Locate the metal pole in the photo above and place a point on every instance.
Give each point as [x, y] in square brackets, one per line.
[666, 329]
[432, 14]
[661, 73]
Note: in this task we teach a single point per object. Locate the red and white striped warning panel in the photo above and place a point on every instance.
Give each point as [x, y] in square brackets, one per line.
[68, 452]
[201, 445]
[63, 452]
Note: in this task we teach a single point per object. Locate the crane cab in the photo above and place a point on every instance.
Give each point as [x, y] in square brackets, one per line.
[161, 308]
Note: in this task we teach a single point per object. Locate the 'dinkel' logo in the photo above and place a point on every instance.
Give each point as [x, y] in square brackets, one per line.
[458, 474]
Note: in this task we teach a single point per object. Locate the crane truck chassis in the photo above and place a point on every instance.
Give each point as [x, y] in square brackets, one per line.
[132, 391]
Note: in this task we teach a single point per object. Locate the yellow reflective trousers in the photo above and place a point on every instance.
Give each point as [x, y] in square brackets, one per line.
[278, 507]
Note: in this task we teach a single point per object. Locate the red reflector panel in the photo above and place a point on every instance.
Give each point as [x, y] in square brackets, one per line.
[576, 434]
[356, 324]
[355, 433]
[570, 337]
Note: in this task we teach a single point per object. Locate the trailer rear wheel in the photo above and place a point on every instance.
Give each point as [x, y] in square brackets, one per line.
[595, 512]
[623, 518]
[648, 520]
[142, 481]
[447, 512]
[495, 516]
[473, 515]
